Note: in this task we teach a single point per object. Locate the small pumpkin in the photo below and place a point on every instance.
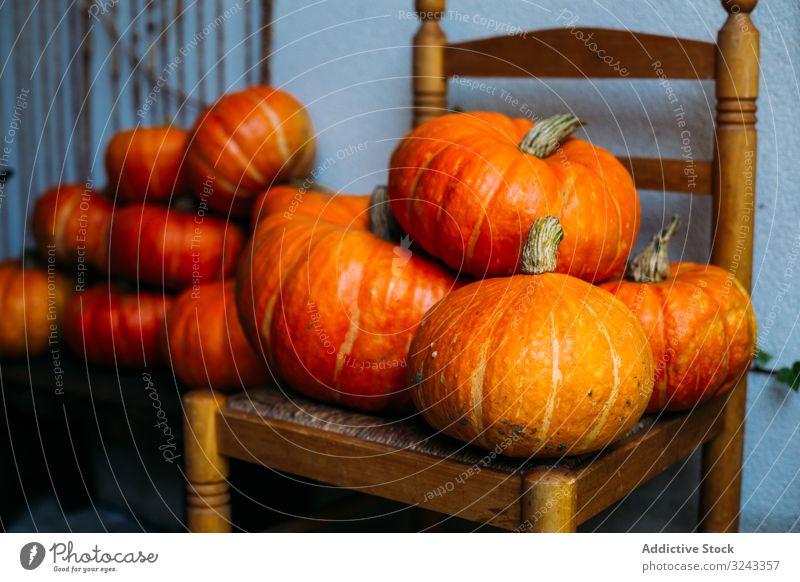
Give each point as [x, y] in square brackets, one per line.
[205, 343]
[246, 141]
[331, 305]
[158, 245]
[146, 163]
[535, 365]
[698, 318]
[468, 186]
[110, 327]
[73, 220]
[32, 302]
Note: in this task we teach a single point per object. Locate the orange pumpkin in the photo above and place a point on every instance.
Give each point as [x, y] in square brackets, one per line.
[246, 141]
[177, 249]
[699, 319]
[73, 221]
[109, 327]
[32, 302]
[468, 186]
[145, 163]
[539, 364]
[205, 342]
[331, 305]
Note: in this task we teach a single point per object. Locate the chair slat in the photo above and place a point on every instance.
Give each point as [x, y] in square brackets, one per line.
[670, 175]
[581, 53]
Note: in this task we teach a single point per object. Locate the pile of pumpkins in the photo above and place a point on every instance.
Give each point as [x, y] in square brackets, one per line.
[488, 285]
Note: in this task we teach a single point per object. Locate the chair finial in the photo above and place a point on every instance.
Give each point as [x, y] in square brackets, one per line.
[738, 6]
[430, 9]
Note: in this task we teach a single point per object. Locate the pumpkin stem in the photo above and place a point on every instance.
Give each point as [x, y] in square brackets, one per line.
[546, 136]
[382, 222]
[652, 264]
[541, 249]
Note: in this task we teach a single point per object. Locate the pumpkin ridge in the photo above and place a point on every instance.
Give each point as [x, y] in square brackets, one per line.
[491, 348]
[722, 314]
[315, 246]
[277, 127]
[555, 375]
[200, 159]
[486, 204]
[60, 227]
[233, 146]
[668, 349]
[267, 318]
[590, 437]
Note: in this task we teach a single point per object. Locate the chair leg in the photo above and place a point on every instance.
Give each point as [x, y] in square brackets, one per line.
[721, 486]
[207, 492]
[549, 503]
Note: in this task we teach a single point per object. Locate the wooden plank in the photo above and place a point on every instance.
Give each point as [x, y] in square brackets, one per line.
[612, 475]
[685, 176]
[264, 72]
[484, 496]
[582, 53]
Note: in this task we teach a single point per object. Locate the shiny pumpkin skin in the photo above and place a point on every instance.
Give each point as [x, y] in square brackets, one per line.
[331, 306]
[146, 163]
[246, 141]
[30, 305]
[154, 244]
[112, 328]
[537, 365]
[75, 220]
[702, 330]
[205, 343]
[460, 186]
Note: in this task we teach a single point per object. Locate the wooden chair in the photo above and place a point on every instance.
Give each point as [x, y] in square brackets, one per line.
[406, 461]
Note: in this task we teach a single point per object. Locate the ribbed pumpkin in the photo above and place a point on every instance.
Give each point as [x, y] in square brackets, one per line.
[74, 220]
[331, 305]
[205, 342]
[699, 319]
[32, 304]
[110, 327]
[145, 163]
[538, 364]
[245, 142]
[468, 186]
[155, 244]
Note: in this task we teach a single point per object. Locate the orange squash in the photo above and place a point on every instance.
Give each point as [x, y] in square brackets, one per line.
[32, 302]
[246, 141]
[205, 343]
[146, 163]
[331, 305]
[535, 365]
[699, 319]
[158, 245]
[468, 186]
[110, 327]
[74, 221]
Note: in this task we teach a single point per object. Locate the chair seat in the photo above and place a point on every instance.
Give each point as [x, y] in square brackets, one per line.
[406, 460]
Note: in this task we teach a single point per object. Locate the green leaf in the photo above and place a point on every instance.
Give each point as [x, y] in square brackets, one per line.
[790, 376]
[762, 358]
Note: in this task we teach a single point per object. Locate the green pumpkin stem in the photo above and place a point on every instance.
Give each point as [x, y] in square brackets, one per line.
[652, 264]
[382, 222]
[546, 136]
[541, 249]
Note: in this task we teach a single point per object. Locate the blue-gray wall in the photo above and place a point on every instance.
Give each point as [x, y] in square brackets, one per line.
[348, 60]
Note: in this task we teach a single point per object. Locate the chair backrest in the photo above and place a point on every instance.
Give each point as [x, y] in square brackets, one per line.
[733, 63]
